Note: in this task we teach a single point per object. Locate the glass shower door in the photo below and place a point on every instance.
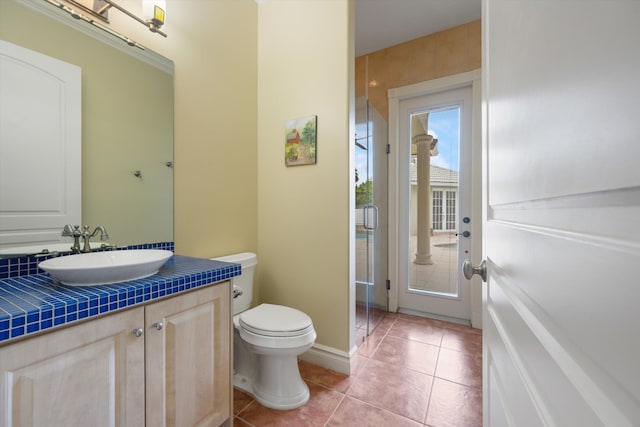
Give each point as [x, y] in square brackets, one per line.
[371, 218]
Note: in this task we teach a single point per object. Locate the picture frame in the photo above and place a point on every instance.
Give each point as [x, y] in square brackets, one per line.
[300, 144]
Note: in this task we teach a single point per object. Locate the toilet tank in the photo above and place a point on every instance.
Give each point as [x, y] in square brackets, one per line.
[244, 281]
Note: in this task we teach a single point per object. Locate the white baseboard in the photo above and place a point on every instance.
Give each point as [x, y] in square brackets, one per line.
[329, 357]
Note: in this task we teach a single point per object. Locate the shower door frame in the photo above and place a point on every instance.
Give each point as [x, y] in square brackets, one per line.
[375, 214]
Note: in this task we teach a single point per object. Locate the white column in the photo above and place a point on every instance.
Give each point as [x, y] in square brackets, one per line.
[425, 148]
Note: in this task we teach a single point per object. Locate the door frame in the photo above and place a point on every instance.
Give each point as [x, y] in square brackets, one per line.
[395, 96]
[453, 307]
[375, 289]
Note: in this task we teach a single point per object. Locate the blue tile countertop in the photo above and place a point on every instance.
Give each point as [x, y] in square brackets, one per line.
[30, 304]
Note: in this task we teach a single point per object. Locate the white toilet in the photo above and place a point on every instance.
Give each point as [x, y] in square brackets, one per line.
[267, 341]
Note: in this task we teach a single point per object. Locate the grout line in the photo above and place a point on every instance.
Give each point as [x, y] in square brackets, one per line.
[373, 405]
[433, 381]
[335, 410]
[244, 421]
[245, 406]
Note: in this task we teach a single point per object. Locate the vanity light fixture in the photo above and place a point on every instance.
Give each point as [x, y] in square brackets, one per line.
[155, 21]
[90, 20]
[153, 13]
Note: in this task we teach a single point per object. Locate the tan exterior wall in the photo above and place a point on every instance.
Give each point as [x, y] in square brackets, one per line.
[446, 53]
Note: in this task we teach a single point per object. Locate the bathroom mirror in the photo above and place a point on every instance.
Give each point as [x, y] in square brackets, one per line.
[127, 121]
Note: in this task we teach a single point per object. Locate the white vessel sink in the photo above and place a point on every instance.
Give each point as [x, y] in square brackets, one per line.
[101, 268]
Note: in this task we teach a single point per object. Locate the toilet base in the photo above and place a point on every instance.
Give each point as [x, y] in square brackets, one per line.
[277, 383]
[243, 383]
[291, 402]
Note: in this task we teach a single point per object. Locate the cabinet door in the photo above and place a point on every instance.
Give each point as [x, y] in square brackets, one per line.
[91, 374]
[188, 365]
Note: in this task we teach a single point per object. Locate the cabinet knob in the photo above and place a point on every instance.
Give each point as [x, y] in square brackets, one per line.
[138, 332]
[158, 325]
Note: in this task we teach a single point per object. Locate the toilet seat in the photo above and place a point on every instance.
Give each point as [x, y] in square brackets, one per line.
[275, 321]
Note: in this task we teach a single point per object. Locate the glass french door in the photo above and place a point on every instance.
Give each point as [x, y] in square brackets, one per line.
[371, 217]
[435, 203]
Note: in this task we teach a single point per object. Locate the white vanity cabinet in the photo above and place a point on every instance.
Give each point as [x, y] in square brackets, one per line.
[177, 372]
[189, 361]
[91, 374]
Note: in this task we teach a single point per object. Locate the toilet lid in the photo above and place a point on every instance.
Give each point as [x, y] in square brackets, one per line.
[275, 321]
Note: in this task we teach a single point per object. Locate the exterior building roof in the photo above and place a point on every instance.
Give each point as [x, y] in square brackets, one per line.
[440, 176]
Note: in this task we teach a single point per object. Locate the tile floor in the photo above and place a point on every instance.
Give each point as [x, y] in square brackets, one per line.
[411, 371]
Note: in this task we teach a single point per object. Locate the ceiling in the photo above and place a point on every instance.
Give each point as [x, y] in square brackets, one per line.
[384, 23]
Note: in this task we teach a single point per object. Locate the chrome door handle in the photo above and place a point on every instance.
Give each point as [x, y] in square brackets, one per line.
[138, 332]
[374, 217]
[158, 325]
[469, 270]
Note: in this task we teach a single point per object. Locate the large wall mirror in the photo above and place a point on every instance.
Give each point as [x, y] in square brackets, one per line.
[127, 122]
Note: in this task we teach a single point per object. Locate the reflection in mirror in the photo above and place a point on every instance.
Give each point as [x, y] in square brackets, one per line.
[127, 122]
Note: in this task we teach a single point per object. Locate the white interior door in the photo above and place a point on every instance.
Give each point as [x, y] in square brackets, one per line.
[40, 146]
[561, 97]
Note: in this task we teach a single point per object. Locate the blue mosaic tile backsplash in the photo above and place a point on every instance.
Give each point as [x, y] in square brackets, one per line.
[28, 265]
[32, 303]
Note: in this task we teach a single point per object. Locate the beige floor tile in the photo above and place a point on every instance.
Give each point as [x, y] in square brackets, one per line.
[414, 355]
[400, 390]
[316, 412]
[454, 405]
[353, 412]
[459, 367]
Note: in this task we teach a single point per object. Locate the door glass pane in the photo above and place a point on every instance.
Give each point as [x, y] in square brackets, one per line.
[433, 261]
[371, 217]
[451, 210]
[437, 210]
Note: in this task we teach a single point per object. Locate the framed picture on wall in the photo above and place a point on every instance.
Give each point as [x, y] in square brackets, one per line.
[300, 141]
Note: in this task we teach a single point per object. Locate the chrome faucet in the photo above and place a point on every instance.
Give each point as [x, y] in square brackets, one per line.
[73, 231]
[85, 234]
